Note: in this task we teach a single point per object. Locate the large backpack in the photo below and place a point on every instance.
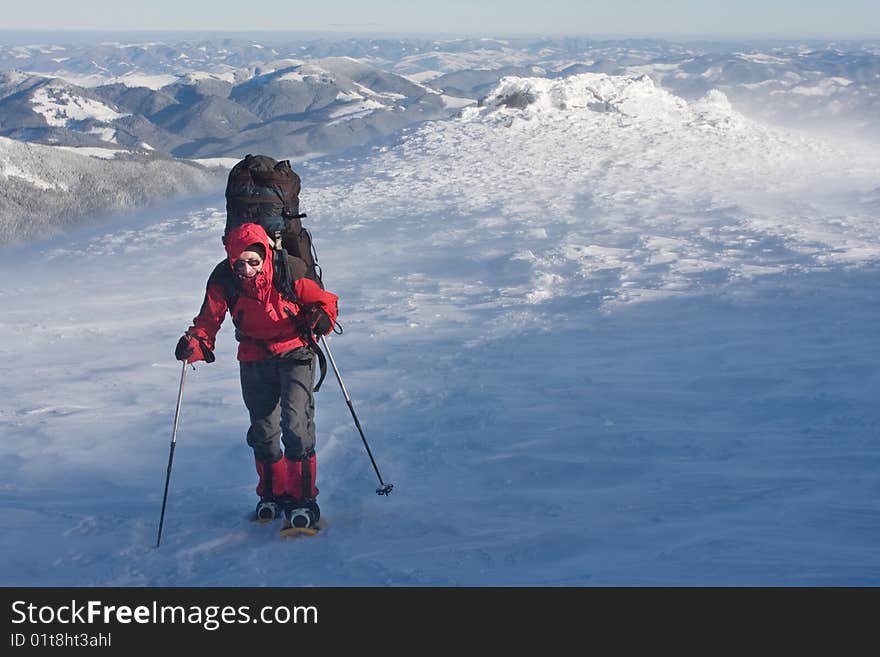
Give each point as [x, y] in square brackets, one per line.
[265, 191]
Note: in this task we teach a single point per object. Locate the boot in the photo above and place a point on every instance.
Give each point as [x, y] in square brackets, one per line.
[271, 487]
[301, 509]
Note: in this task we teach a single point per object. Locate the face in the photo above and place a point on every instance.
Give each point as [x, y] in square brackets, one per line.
[248, 264]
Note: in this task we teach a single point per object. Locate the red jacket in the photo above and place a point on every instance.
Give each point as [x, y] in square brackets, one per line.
[262, 325]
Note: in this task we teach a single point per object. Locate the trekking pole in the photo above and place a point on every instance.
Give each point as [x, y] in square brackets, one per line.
[171, 454]
[384, 489]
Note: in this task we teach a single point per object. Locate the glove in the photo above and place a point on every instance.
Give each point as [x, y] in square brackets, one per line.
[321, 324]
[193, 349]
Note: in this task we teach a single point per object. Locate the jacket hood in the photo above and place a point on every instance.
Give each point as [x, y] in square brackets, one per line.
[237, 241]
[241, 237]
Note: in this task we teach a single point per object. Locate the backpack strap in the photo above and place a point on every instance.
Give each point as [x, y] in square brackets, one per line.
[282, 277]
[287, 269]
[306, 334]
[291, 269]
[224, 277]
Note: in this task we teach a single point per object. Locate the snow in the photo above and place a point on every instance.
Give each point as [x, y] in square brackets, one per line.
[221, 162]
[10, 170]
[59, 107]
[196, 76]
[106, 134]
[351, 109]
[229, 162]
[810, 91]
[92, 151]
[456, 102]
[348, 96]
[133, 79]
[366, 91]
[595, 334]
[762, 58]
[423, 76]
[292, 76]
[825, 87]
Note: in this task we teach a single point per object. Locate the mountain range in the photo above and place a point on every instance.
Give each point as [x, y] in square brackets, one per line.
[799, 83]
[293, 107]
[213, 100]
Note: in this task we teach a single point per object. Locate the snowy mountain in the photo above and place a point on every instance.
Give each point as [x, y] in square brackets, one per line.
[825, 86]
[83, 58]
[47, 190]
[596, 333]
[288, 106]
[322, 106]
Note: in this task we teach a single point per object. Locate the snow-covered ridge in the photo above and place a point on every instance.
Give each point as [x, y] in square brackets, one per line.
[597, 92]
[623, 95]
[154, 81]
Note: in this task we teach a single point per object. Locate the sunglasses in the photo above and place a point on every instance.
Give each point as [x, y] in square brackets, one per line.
[252, 262]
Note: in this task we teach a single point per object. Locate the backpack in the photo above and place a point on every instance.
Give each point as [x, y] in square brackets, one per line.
[265, 191]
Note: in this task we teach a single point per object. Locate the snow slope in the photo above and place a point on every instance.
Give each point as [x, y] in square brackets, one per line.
[596, 335]
[59, 107]
[47, 189]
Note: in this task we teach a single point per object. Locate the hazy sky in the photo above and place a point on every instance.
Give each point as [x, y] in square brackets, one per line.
[719, 18]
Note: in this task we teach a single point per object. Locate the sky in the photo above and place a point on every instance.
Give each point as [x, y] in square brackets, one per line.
[634, 346]
[714, 18]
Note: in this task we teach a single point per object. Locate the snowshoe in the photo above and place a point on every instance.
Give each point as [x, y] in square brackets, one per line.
[267, 510]
[301, 517]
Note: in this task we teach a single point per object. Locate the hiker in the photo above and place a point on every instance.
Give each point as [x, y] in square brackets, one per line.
[276, 362]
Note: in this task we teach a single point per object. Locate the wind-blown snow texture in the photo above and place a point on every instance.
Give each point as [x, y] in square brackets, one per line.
[596, 335]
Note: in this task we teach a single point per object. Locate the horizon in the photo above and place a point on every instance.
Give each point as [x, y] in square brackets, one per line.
[675, 19]
[7, 34]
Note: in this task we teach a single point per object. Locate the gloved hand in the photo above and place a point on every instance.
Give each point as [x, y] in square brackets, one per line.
[193, 349]
[321, 323]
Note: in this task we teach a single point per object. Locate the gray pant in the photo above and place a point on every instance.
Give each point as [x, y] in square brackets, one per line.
[278, 395]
